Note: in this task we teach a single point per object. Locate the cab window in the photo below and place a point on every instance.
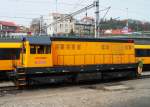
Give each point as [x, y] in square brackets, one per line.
[39, 49]
[47, 49]
[33, 49]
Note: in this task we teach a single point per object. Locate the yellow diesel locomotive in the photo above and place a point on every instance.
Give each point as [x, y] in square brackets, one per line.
[56, 59]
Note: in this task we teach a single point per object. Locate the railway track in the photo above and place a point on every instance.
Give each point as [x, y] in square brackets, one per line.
[7, 88]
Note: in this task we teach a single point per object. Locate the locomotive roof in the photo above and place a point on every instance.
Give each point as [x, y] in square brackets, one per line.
[3, 39]
[46, 40]
[103, 39]
[36, 40]
[39, 40]
[139, 40]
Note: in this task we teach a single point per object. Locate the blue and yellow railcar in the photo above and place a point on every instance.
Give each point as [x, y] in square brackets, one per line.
[9, 55]
[142, 49]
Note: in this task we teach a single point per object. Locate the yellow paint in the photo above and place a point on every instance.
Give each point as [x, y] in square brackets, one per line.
[72, 53]
[142, 46]
[10, 45]
[39, 60]
[90, 53]
[146, 60]
[36, 60]
[6, 65]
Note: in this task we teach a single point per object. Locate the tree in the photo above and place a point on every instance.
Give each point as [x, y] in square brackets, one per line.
[71, 33]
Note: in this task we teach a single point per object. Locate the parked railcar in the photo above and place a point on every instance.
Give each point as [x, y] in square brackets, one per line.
[9, 55]
[56, 59]
[142, 51]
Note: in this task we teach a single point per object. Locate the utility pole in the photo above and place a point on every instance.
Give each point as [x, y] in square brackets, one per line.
[41, 25]
[127, 24]
[97, 19]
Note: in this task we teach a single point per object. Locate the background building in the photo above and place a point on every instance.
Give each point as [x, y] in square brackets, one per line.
[59, 24]
[84, 27]
[63, 24]
[8, 27]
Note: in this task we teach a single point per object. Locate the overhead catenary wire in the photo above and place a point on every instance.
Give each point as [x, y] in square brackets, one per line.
[107, 10]
[73, 14]
[79, 3]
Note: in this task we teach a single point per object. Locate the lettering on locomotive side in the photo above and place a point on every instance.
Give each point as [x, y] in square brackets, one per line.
[40, 57]
[40, 62]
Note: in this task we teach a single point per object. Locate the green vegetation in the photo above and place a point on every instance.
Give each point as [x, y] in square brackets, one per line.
[135, 25]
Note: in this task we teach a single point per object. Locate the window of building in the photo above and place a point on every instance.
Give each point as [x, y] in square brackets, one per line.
[66, 30]
[61, 26]
[66, 25]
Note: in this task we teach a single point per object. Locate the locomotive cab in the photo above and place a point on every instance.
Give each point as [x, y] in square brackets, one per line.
[37, 52]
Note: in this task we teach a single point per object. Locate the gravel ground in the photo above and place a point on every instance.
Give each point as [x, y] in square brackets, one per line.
[136, 95]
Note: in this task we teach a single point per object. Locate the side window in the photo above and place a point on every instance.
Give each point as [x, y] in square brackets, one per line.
[10, 53]
[32, 49]
[41, 49]
[47, 49]
[142, 52]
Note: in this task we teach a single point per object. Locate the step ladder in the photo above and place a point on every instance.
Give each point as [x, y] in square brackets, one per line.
[21, 80]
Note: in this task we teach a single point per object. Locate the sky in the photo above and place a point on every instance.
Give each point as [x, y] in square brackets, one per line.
[22, 11]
